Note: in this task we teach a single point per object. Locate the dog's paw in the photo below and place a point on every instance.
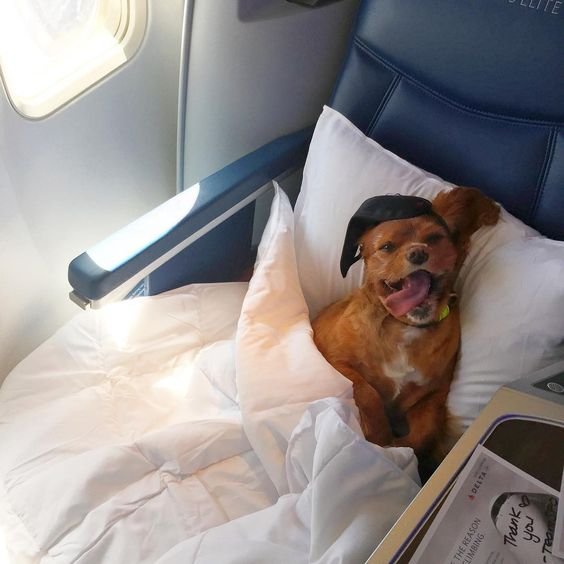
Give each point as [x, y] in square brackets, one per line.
[376, 428]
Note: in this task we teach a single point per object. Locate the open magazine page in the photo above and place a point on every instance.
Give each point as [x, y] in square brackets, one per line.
[495, 514]
[559, 532]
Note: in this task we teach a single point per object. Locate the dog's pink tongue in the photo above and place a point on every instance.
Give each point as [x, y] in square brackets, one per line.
[415, 289]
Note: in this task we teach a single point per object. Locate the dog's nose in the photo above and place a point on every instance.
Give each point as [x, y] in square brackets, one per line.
[417, 256]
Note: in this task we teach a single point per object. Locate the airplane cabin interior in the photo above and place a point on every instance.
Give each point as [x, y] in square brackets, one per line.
[283, 281]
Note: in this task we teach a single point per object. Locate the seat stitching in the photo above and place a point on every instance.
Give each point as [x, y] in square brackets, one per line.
[384, 102]
[543, 175]
[456, 105]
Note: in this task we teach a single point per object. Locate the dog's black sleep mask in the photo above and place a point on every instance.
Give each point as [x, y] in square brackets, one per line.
[376, 210]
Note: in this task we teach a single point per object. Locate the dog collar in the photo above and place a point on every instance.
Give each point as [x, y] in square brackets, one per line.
[376, 210]
[446, 310]
[444, 313]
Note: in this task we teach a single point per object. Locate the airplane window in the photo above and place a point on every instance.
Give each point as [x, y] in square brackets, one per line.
[53, 50]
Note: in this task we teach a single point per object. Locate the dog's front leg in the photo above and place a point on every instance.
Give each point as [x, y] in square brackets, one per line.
[373, 419]
[426, 420]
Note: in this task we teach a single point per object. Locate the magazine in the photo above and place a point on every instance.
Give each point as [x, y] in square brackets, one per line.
[494, 514]
[558, 549]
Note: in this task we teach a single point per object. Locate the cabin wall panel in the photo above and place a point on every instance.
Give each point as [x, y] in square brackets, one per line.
[73, 178]
[258, 69]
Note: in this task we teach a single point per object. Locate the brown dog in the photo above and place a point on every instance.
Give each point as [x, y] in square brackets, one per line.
[397, 337]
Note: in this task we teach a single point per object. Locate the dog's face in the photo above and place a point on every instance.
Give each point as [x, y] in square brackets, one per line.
[410, 264]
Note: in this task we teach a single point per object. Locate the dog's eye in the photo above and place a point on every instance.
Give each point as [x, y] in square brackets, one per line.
[434, 238]
[387, 247]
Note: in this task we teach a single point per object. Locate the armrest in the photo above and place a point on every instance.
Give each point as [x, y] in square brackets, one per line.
[134, 251]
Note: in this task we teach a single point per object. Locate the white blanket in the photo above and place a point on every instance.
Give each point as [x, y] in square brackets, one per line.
[170, 429]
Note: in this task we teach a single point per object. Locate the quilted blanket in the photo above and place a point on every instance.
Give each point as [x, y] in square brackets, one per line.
[200, 425]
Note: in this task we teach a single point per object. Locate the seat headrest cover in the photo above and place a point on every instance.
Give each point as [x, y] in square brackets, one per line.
[374, 211]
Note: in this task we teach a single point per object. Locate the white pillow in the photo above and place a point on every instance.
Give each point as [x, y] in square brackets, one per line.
[512, 318]
[512, 313]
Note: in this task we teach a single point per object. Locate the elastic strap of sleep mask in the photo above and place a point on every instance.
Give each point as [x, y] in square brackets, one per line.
[376, 210]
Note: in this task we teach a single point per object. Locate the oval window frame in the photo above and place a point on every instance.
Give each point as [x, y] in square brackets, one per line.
[114, 37]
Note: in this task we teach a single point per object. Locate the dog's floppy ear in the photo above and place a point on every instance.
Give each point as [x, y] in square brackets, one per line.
[465, 210]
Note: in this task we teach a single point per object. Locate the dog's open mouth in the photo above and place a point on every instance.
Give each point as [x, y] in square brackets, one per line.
[408, 293]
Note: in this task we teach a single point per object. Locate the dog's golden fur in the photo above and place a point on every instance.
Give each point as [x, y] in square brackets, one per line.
[401, 364]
